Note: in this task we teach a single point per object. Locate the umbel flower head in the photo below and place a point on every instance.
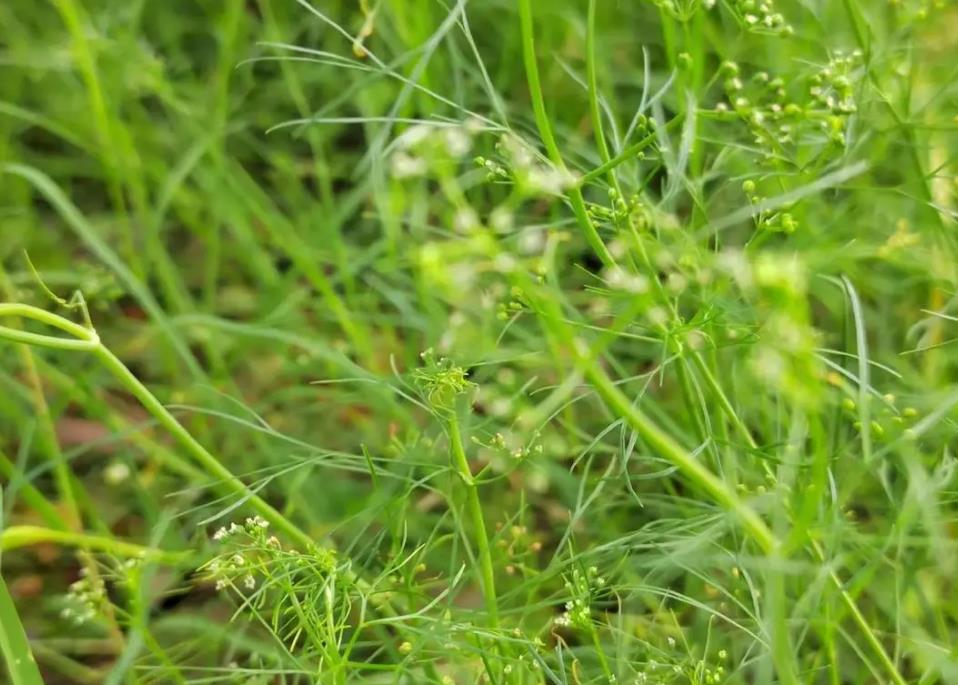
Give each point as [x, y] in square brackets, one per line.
[440, 381]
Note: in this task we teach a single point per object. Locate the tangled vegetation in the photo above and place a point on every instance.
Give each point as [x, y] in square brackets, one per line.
[510, 342]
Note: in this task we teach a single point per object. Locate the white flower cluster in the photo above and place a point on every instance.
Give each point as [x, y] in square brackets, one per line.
[581, 586]
[229, 569]
[423, 144]
[520, 164]
[252, 524]
[86, 599]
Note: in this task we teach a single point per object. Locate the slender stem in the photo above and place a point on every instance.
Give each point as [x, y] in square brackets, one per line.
[227, 483]
[69, 489]
[860, 619]
[650, 432]
[82, 339]
[14, 645]
[30, 494]
[481, 540]
[46, 432]
[85, 339]
[724, 403]
[624, 156]
[14, 537]
[595, 109]
[665, 445]
[600, 653]
[548, 139]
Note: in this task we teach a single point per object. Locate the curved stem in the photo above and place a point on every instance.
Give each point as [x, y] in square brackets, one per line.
[87, 340]
[548, 139]
[15, 537]
[83, 339]
[665, 445]
[227, 483]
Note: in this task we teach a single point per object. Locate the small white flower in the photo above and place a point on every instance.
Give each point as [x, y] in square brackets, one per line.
[407, 166]
[249, 581]
[116, 473]
[457, 141]
[501, 220]
[220, 533]
[221, 585]
[531, 242]
[550, 181]
[620, 279]
[474, 126]
[414, 135]
[465, 220]
[257, 522]
[504, 262]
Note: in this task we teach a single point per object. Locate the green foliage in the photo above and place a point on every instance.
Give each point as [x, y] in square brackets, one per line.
[685, 276]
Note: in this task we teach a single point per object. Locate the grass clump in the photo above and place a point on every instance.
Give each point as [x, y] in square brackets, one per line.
[478, 342]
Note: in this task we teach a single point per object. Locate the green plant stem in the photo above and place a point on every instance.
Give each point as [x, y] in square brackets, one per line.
[595, 108]
[84, 339]
[607, 167]
[724, 403]
[548, 139]
[665, 445]
[110, 147]
[33, 497]
[660, 441]
[861, 621]
[49, 443]
[628, 153]
[14, 537]
[481, 539]
[69, 490]
[14, 645]
[227, 482]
